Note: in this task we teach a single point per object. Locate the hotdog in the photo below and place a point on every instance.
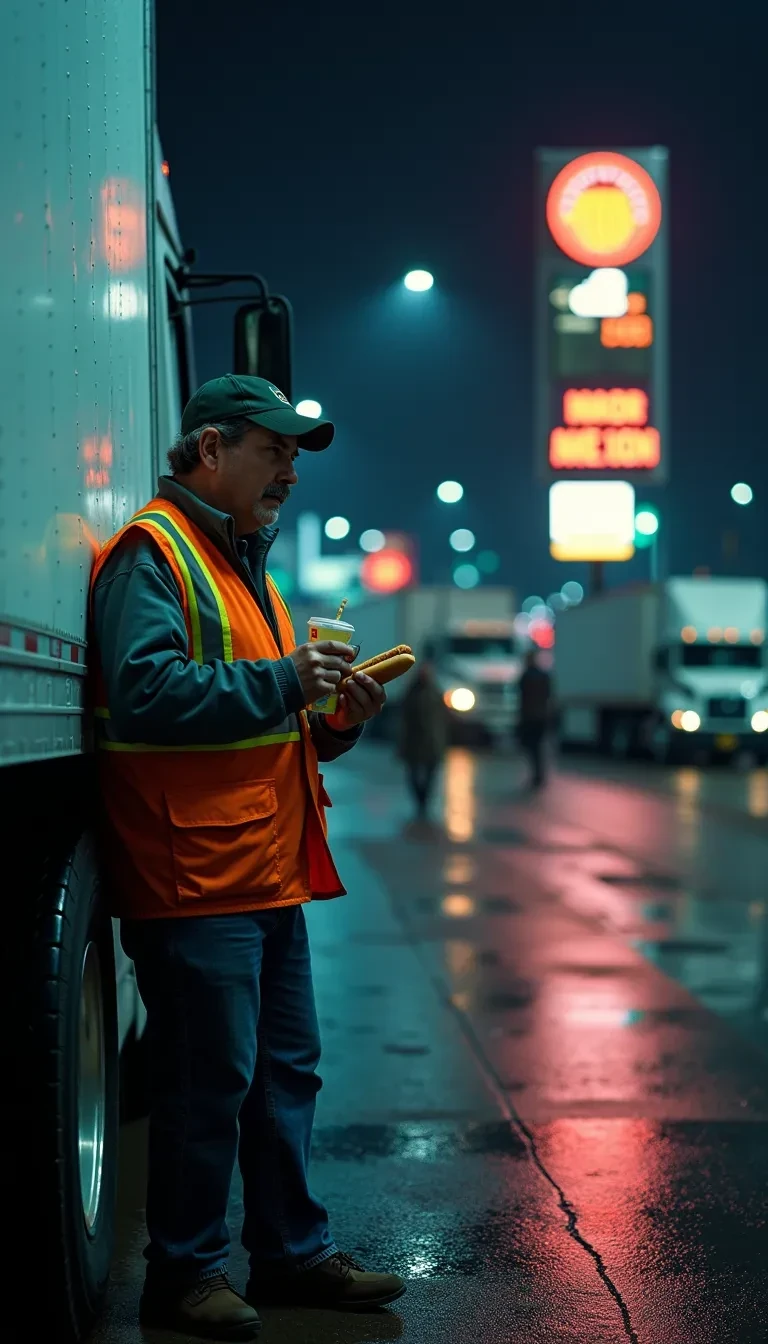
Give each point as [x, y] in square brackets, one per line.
[385, 666]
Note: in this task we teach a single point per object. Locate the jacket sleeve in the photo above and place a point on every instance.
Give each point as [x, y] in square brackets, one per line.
[155, 693]
[328, 744]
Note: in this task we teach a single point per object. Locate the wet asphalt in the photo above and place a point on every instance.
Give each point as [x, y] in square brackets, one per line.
[545, 1024]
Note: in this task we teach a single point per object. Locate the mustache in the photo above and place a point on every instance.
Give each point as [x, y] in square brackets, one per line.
[278, 492]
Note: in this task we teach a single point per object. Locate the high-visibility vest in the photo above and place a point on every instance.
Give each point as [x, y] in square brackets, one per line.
[214, 828]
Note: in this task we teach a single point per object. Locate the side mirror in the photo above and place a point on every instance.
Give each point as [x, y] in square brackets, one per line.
[263, 341]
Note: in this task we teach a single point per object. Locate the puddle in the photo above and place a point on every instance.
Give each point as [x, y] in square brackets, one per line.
[415, 1140]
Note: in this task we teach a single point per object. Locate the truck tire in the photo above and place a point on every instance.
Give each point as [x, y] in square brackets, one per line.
[72, 1058]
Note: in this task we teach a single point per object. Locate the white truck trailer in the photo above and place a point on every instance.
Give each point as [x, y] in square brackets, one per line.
[97, 363]
[674, 669]
[468, 636]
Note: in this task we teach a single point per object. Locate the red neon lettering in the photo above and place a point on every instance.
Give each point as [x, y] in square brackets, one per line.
[633, 332]
[629, 448]
[595, 406]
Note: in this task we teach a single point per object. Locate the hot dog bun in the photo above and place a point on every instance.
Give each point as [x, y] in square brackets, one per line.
[385, 666]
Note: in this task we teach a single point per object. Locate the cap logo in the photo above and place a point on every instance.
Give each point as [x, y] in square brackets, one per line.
[280, 395]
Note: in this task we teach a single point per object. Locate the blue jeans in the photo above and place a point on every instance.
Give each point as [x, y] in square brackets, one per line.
[214, 987]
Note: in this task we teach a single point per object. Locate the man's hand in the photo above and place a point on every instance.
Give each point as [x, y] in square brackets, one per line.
[320, 666]
[362, 699]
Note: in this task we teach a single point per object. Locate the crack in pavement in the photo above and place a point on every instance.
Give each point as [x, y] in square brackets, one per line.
[529, 1139]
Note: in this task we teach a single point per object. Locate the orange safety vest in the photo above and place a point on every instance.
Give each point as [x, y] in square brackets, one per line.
[212, 829]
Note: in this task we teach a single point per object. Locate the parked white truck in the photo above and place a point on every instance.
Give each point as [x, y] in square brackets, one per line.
[672, 669]
[97, 364]
[468, 636]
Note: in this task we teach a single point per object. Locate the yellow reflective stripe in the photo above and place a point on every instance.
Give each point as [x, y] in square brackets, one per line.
[279, 595]
[226, 629]
[269, 740]
[194, 613]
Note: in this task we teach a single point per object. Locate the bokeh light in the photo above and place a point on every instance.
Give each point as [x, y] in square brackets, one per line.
[741, 493]
[466, 576]
[419, 281]
[450, 492]
[372, 540]
[336, 529]
[462, 539]
[311, 408]
[572, 592]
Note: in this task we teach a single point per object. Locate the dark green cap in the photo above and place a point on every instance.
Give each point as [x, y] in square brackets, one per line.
[255, 399]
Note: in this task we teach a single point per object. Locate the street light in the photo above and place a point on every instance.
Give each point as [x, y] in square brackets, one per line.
[462, 539]
[450, 492]
[419, 281]
[741, 493]
[313, 409]
[372, 540]
[466, 576]
[336, 529]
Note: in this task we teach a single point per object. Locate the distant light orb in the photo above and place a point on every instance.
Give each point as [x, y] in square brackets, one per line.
[556, 602]
[311, 408]
[450, 492]
[419, 281]
[646, 523]
[741, 493]
[760, 721]
[466, 576]
[372, 540]
[461, 699]
[531, 602]
[572, 592]
[488, 562]
[462, 539]
[690, 721]
[336, 529]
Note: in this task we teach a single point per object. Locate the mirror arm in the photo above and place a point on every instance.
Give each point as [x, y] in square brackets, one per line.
[185, 278]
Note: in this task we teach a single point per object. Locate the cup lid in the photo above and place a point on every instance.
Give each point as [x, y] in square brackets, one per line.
[328, 623]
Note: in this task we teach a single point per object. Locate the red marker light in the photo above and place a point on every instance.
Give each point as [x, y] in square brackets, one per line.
[386, 571]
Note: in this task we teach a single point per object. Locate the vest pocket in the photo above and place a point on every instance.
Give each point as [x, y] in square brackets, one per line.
[224, 840]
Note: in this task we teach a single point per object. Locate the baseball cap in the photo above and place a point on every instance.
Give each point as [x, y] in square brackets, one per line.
[258, 400]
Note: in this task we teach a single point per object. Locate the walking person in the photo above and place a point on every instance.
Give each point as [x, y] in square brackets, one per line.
[216, 837]
[536, 706]
[423, 735]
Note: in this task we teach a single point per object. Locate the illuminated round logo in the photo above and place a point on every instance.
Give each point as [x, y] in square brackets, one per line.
[603, 209]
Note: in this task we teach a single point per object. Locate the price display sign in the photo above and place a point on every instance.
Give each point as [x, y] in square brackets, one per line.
[601, 315]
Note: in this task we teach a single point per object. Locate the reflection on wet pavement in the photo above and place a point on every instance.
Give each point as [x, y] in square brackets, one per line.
[545, 1026]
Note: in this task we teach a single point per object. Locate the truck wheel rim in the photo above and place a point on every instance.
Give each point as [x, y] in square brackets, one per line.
[91, 1091]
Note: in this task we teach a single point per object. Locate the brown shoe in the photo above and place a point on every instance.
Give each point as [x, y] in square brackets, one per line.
[338, 1282]
[211, 1309]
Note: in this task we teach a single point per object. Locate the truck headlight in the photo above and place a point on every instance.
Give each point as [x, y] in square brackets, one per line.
[460, 699]
[760, 721]
[690, 721]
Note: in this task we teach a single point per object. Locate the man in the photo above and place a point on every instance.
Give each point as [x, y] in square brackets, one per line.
[535, 715]
[215, 838]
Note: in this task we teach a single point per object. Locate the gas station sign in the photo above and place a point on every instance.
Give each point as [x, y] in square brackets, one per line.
[601, 315]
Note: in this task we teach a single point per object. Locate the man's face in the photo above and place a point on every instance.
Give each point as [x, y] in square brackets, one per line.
[254, 477]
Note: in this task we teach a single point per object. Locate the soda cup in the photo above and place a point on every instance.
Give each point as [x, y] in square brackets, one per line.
[321, 627]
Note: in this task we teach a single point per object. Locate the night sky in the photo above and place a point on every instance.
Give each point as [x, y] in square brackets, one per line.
[332, 148]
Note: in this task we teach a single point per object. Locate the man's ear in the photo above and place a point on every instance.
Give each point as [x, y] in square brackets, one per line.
[209, 447]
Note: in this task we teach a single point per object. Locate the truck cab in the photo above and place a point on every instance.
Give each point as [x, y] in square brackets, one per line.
[712, 665]
[478, 665]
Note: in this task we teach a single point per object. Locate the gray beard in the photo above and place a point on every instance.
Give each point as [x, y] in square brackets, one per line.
[267, 512]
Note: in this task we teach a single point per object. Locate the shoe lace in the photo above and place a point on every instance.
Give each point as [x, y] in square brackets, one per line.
[346, 1263]
[217, 1283]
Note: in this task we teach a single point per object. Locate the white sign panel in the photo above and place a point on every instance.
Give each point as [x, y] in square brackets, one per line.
[592, 520]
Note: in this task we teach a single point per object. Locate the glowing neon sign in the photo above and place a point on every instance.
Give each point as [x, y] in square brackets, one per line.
[605, 430]
[603, 209]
